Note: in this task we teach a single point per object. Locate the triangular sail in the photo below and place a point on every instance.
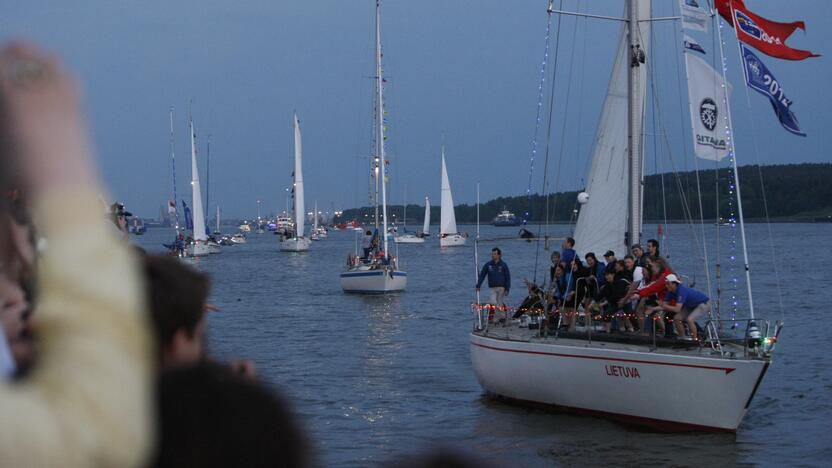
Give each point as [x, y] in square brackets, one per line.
[602, 222]
[300, 214]
[447, 223]
[426, 225]
[196, 193]
[315, 219]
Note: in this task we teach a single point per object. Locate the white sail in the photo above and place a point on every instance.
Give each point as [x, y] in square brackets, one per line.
[447, 218]
[315, 219]
[196, 193]
[218, 218]
[602, 221]
[299, 208]
[426, 225]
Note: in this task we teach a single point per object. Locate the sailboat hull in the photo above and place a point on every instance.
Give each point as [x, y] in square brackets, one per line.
[409, 239]
[452, 240]
[295, 244]
[373, 281]
[669, 390]
[198, 249]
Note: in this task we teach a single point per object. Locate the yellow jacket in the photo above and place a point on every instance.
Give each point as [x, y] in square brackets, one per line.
[88, 400]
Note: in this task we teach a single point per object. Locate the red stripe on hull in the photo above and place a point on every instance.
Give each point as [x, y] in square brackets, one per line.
[659, 425]
[727, 370]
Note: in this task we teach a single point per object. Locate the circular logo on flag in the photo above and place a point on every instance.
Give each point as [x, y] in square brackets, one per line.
[708, 113]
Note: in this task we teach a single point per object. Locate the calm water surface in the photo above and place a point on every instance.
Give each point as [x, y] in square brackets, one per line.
[376, 378]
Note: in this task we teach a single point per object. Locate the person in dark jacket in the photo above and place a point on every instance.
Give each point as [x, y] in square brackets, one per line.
[577, 291]
[612, 291]
[499, 278]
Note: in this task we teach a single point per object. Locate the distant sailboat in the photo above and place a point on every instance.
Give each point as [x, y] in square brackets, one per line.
[297, 243]
[199, 247]
[314, 233]
[380, 273]
[418, 238]
[449, 235]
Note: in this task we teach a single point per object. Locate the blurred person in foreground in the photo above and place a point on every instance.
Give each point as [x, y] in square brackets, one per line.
[177, 296]
[209, 417]
[86, 401]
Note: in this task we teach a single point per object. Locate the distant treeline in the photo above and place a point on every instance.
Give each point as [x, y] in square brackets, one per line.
[792, 191]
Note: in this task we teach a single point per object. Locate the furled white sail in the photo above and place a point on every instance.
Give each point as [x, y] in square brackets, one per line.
[196, 193]
[447, 218]
[426, 225]
[602, 222]
[300, 215]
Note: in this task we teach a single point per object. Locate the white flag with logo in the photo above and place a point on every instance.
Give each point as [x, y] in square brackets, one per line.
[695, 14]
[708, 114]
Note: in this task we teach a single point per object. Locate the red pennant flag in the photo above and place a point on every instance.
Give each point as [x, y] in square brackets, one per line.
[769, 37]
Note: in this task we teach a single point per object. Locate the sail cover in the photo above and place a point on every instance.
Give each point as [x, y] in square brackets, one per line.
[447, 220]
[602, 221]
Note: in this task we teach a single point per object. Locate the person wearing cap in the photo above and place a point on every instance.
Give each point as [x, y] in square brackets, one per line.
[609, 257]
[687, 303]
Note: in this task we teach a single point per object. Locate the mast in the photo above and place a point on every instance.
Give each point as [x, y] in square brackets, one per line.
[634, 123]
[173, 172]
[208, 175]
[380, 141]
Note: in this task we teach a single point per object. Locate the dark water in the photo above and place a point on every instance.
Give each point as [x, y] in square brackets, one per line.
[377, 378]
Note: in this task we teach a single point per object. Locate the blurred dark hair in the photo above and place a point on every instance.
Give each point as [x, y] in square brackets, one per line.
[176, 296]
[209, 417]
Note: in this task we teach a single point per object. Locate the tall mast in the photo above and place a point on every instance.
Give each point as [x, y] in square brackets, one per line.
[380, 168]
[173, 172]
[634, 123]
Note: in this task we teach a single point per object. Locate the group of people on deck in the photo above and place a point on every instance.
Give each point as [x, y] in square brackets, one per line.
[639, 292]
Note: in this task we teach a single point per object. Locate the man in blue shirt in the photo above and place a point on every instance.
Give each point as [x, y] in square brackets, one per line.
[687, 303]
[499, 278]
[568, 253]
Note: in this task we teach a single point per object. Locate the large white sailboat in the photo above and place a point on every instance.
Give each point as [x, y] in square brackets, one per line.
[297, 242]
[200, 246]
[419, 237]
[670, 384]
[449, 235]
[378, 271]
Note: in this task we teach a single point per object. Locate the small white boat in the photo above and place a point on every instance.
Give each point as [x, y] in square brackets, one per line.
[419, 238]
[244, 227]
[449, 235]
[239, 238]
[297, 243]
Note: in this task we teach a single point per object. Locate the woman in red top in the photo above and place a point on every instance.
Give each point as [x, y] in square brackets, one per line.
[659, 269]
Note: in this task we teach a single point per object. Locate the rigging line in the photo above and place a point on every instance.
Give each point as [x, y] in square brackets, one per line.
[566, 112]
[543, 67]
[765, 199]
[704, 251]
[684, 200]
[548, 145]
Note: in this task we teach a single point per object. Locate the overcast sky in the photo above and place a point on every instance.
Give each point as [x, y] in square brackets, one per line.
[468, 69]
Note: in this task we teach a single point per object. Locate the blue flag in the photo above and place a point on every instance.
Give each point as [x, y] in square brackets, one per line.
[189, 220]
[759, 78]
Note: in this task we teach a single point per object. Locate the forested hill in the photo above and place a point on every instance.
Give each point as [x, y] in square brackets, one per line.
[793, 192]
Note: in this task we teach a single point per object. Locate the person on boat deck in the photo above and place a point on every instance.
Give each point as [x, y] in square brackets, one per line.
[638, 255]
[568, 254]
[577, 292]
[533, 302]
[596, 270]
[612, 291]
[499, 277]
[660, 270]
[367, 244]
[653, 249]
[558, 287]
[609, 257]
[687, 303]
[555, 257]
